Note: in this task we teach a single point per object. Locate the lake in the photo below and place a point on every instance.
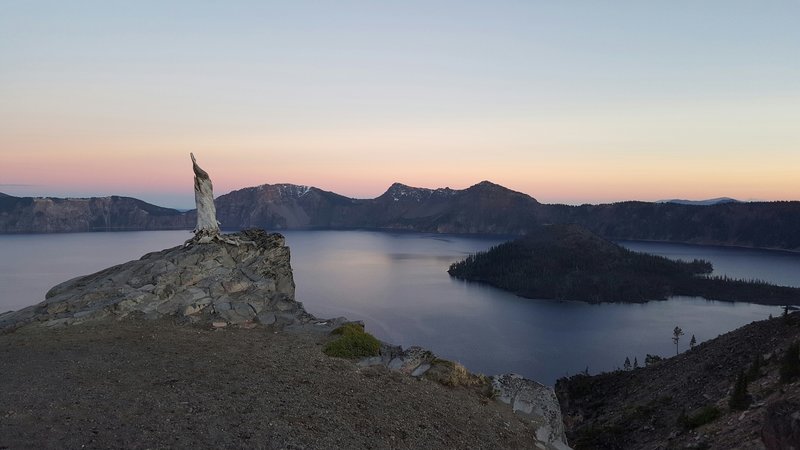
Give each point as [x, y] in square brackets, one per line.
[398, 285]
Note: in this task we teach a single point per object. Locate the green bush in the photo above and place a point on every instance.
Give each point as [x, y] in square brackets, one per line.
[353, 343]
[349, 328]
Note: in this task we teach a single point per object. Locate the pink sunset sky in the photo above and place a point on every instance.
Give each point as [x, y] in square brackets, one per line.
[569, 104]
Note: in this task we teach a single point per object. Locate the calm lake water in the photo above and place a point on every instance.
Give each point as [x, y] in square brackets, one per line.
[397, 283]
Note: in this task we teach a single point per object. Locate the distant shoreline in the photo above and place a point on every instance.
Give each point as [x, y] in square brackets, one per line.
[405, 230]
[697, 244]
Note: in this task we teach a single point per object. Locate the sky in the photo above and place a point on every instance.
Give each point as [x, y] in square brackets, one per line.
[567, 101]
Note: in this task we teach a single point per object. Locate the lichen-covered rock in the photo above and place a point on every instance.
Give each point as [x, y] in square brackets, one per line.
[535, 401]
[412, 361]
[245, 277]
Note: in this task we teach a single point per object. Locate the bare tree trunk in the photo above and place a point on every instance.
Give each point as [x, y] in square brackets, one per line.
[207, 225]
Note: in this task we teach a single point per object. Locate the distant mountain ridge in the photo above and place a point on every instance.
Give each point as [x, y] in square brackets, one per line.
[484, 208]
[711, 201]
[58, 215]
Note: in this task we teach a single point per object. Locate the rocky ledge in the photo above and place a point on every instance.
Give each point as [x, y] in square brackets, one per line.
[245, 281]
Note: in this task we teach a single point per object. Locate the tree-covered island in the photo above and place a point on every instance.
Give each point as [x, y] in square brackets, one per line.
[568, 262]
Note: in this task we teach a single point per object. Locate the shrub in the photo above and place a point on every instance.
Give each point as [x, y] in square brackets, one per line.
[353, 343]
[349, 328]
[790, 365]
[754, 372]
[706, 414]
[593, 437]
[651, 359]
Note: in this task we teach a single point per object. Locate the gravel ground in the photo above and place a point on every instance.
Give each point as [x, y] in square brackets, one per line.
[155, 384]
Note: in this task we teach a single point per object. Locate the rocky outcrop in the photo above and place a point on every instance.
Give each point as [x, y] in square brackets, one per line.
[57, 215]
[781, 428]
[246, 279]
[535, 401]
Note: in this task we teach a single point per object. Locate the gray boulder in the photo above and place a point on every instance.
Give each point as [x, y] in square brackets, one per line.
[535, 401]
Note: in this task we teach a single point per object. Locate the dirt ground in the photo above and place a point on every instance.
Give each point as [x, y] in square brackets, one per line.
[155, 384]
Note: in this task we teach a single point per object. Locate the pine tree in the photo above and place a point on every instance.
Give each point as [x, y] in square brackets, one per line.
[692, 343]
[627, 365]
[676, 336]
[739, 399]
[790, 365]
[635, 363]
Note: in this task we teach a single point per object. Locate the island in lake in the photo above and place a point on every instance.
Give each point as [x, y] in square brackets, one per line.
[568, 262]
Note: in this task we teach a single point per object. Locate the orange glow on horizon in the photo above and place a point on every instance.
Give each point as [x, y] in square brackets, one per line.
[544, 158]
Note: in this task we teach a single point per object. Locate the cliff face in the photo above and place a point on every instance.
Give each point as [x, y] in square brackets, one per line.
[55, 215]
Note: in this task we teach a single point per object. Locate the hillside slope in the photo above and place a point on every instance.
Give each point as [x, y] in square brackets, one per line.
[756, 224]
[664, 404]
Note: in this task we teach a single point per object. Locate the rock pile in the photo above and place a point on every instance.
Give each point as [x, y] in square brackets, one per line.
[530, 399]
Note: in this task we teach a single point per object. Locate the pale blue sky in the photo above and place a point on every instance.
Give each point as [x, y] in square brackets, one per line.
[567, 101]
